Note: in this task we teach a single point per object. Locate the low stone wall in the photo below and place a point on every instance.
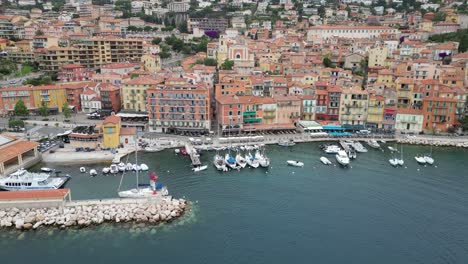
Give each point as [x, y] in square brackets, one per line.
[79, 215]
[434, 142]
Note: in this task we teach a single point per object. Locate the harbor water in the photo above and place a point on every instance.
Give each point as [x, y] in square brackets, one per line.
[367, 213]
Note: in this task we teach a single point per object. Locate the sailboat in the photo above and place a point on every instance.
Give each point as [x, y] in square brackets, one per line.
[144, 190]
[218, 161]
[393, 161]
[263, 160]
[428, 157]
[400, 161]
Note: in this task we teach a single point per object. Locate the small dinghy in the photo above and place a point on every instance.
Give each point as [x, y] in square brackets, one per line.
[325, 161]
[93, 172]
[82, 169]
[144, 167]
[45, 169]
[200, 168]
[295, 163]
[105, 170]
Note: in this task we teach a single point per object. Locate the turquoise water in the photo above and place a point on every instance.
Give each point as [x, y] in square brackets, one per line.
[368, 213]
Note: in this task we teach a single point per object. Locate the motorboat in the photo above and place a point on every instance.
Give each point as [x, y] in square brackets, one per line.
[144, 167]
[383, 141]
[200, 168]
[352, 153]
[113, 169]
[392, 149]
[420, 159]
[373, 144]
[287, 143]
[342, 158]
[25, 180]
[218, 162]
[136, 167]
[358, 147]
[325, 161]
[241, 161]
[45, 169]
[82, 169]
[144, 192]
[177, 151]
[106, 170]
[129, 167]
[332, 149]
[230, 162]
[92, 172]
[429, 160]
[263, 160]
[295, 163]
[400, 162]
[251, 160]
[121, 166]
[393, 162]
[153, 149]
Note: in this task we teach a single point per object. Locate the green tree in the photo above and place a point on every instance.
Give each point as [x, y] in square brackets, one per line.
[20, 108]
[227, 65]
[15, 123]
[202, 46]
[327, 62]
[156, 41]
[210, 62]
[66, 110]
[43, 109]
[39, 33]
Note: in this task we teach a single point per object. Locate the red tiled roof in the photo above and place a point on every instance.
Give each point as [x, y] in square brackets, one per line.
[16, 148]
[34, 194]
[112, 119]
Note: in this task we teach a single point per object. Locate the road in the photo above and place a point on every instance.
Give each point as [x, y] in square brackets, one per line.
[18, 81]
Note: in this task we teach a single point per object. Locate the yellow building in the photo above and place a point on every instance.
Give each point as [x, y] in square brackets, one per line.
[376, 111]
[110, 131]
[353, 105]
[426, 26]
[386, 77]
[134, 93]
[151, 63]
[377, 56]
[405, 93]
[54, 96]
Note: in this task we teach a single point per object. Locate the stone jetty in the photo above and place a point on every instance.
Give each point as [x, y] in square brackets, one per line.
[82, 215]
[439, 142]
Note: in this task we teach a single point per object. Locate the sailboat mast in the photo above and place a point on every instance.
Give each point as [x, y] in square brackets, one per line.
[136, 161]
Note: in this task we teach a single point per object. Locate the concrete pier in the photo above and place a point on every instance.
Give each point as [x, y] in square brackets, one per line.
[194, 156]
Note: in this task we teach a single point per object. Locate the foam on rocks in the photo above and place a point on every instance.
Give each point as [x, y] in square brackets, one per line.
[81, 216]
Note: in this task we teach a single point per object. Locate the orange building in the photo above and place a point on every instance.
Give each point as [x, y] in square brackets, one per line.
[439, 113]
[9, 96]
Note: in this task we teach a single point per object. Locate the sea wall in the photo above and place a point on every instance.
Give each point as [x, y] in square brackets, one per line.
[148, 211]
[460, 143]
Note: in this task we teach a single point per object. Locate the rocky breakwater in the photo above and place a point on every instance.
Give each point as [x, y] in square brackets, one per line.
[150, 212]
[435, 142]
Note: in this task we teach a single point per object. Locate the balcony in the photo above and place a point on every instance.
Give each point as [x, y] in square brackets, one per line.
[249, 113]
[45, 99]
[252, 120]
[269, 110]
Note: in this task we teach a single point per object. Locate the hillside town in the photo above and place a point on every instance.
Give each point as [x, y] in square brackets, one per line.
[240, 66]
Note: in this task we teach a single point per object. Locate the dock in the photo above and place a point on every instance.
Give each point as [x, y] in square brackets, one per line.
[194, 156]
[344, 146]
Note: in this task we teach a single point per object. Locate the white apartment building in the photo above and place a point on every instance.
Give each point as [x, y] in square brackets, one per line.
[329, 31]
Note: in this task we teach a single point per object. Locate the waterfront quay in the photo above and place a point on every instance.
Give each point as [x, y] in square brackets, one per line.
[25, 210]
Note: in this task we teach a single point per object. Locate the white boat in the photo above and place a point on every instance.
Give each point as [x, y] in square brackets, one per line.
[325, 161]
[392, 149]
[295, 163]
[218, 162]
[400, 162]
[122, 167]
[200, 168]
[144, 167]
[352, 153]
[45, 169]
[373, 144]
[153, 149]
[287, 143]
[129, 167]
[252, 161]
[358, 147]
[332, 149]
[383, 141]
[420, 159]
[263, 160]
[113, 169]
[177, 151]
[92, 172]
[342, 158]
[116, 160]
[25, 180]
[429, 160]
[82, 169]
[105, 170]
[241, 161]
[393, 162]
[230, 162]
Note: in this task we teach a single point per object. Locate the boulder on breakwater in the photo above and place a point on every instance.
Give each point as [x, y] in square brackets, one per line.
[435, 142]
[149, 211]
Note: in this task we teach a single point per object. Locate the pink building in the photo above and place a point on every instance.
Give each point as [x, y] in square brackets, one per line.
[74, 73]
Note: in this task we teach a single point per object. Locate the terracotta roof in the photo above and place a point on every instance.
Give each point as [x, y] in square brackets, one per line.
[128, 131]
[142, 80]
[112, 119]
[78, 135]
[34, 194]
[16, 148]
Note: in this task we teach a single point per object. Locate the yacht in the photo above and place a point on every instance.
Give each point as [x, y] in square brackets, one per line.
[122, 167]
[342, 158]
[332, 149]
[373, 144]
[263, 160]
[358, 147]
[429, 160]
[230, 162]
[113, 169]
[25, 180]
[218, 161]
[241, 161]
[420, 159]
[252, 161]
